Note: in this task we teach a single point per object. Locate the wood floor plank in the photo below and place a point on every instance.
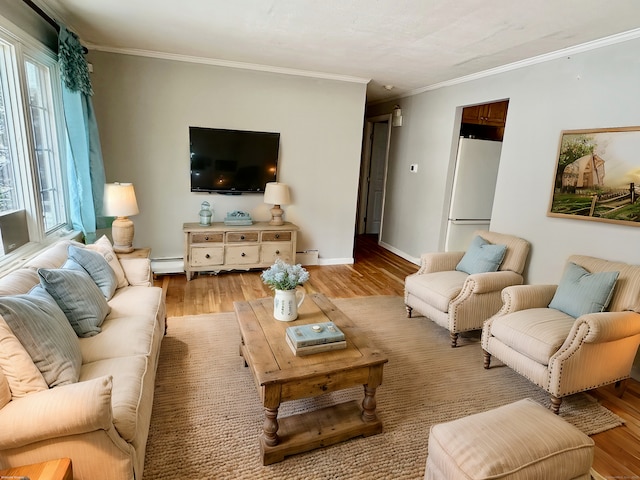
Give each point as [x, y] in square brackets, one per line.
[377, 271]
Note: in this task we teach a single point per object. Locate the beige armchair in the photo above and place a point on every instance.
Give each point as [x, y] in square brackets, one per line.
[561, 353]
[459, 301]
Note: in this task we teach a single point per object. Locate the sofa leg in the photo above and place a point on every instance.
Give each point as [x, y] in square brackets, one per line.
[486, 363]
[620, 387]
[454, 339]
[555, 404]
[409, 310]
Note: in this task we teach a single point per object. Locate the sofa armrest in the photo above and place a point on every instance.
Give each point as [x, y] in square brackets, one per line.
[137, 271]
[524, 297]
[610, 326]
[66, 410]
[581, 362]
[491, 281]
[439, 261]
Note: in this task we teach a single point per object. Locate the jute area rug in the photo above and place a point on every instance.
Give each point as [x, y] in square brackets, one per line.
[207, 414]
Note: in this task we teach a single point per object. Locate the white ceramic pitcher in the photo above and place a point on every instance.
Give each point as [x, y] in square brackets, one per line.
[286, 303]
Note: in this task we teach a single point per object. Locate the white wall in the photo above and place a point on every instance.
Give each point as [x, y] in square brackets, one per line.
[144, 107]
[594, 89]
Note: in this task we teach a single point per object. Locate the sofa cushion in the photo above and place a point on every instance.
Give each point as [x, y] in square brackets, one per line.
[19, 282]
[580, 292]
[481, 257]
[104, 247]
[437, 288]
[79, 298]
[120, 337]
[537, 333]
[44, 331]
[52, 257]
[97, 268]
[131, 328]
[128, 378]
[17, 366]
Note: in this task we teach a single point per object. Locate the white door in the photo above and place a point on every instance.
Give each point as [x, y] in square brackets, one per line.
[376, 177]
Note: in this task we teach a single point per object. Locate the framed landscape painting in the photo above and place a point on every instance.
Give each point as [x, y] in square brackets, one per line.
[598, 176]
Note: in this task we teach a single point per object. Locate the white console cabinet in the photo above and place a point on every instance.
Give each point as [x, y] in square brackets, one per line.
[219, 247]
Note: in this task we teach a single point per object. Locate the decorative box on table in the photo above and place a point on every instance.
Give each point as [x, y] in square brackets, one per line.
[238, 218]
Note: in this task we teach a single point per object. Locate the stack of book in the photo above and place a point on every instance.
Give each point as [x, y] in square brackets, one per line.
[315, 338]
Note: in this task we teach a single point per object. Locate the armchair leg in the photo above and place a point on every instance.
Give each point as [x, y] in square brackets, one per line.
[620, 387]
[555, 404]
[454, 339]
[487, 359]
[409, 310]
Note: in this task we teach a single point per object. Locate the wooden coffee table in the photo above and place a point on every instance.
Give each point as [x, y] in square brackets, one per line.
[281, 376]
[59, 469]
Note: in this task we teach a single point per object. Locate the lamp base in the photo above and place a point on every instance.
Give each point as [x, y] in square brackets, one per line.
[122, 232]
[276, 215]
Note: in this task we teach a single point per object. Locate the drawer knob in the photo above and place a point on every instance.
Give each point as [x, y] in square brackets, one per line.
[241, 237]
[277, 252]
[243, 254]
[206, 238]
[277, 235]
[207, 256]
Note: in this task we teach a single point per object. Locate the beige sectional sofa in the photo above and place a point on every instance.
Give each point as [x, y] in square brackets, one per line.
[101, 421]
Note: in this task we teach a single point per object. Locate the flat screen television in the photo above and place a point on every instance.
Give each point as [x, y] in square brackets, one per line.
[232, 161]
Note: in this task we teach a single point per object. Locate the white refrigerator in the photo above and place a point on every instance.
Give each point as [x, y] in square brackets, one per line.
[474, 186]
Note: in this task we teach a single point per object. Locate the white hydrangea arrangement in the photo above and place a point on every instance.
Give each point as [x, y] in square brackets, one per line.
[282, 276]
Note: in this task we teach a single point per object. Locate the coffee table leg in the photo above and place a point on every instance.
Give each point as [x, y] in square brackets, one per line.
[270, 426]
[369, 404]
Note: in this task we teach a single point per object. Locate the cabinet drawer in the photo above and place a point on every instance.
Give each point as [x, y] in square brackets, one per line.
[272, 251]
[235, 237]
[207, 237]
[242, 254]
[203, 256]
[276, 236]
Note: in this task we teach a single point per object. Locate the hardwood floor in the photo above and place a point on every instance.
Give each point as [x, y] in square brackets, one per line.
[377, 271]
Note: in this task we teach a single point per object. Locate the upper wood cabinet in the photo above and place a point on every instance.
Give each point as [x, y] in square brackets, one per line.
[487, 114]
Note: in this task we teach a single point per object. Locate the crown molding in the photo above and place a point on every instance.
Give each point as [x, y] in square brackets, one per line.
[583, 47]
[230, 64]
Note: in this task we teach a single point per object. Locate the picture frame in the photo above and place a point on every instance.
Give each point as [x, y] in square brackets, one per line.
[597, 176]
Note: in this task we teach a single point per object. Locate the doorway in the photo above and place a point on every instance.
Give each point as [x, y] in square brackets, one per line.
[475, 174]
[373, 174]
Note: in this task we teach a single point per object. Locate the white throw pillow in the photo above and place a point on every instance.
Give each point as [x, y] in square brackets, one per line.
[103, 245]
[21, 373]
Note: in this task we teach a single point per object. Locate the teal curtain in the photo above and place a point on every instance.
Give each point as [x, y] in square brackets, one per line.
[85, 168]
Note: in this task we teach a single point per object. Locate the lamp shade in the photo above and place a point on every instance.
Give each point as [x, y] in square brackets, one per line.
[277, 193]
[120, 200]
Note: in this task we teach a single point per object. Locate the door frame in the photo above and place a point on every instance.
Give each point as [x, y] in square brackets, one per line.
[365, 169]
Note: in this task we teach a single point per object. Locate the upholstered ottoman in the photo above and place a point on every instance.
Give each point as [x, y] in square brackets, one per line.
[522, 440]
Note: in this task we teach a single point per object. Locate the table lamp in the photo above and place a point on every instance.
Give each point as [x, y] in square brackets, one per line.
[277, 194]
[120, 202]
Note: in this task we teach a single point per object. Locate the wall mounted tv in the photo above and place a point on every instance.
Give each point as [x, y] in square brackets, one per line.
[232, 161]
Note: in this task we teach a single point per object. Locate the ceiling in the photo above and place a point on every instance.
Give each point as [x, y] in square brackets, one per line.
[408, 44]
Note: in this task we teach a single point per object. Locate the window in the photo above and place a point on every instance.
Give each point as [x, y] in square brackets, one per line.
[31, 176]
[45, 146]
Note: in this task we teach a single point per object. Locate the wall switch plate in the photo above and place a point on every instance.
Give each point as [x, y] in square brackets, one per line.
[413, 167]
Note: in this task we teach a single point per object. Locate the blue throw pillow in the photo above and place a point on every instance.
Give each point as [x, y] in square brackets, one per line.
[580, 292]
[97, 268]
[481, 257]
[43, 330]
[79, 298]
